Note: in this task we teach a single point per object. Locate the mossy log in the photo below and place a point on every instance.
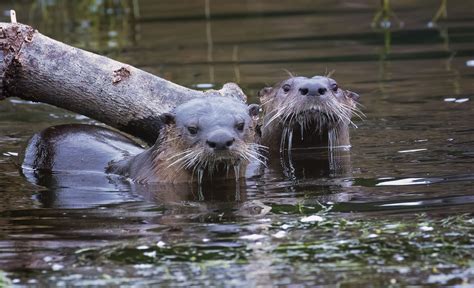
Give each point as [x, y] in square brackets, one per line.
[37, 68]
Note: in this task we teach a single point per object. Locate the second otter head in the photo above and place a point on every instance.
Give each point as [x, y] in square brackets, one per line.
[209, 133]
[310, 106]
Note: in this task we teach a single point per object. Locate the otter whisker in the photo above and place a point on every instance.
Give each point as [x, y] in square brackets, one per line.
[339, 112]
[243, 155]
[196, 160]
[252, 153]
[266, 101]
[257, 147]
[273, 118]
[189, 160]
[257, 156]
[345, 116]
[187, 153]
[355, 110]
[180, 154]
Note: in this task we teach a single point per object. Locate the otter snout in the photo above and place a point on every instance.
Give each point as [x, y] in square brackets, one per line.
[313, 89]
[220, 140]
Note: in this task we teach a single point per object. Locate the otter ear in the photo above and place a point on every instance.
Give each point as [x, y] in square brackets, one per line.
[354, 96]
[167, 118]
[254, 111]
[264, 91]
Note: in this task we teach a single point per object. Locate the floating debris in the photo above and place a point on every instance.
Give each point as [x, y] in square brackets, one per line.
[161, 244]
[285, 226]
[410, 181]
[280, 234]
[312, 218]
[426, 228]
[57, 267]
[462, 100]
[412, 150]
[456, 100]
[449, 99]
[151, 254]
[252, 237]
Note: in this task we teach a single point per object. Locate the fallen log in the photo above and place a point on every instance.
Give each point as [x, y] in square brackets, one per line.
[37, 68]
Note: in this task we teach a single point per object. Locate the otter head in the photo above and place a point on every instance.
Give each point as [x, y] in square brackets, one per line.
[209, 133]
[307, 112]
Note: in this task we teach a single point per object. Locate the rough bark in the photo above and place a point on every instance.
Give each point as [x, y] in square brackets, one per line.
[37, 68]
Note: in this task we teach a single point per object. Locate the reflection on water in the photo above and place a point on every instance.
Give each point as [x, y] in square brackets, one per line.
[407, 179]
[102, 26]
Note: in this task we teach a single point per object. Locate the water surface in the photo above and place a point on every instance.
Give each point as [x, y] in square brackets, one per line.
[399, 213]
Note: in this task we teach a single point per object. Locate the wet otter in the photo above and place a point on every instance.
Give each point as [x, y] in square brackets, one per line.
[204, 136]
[302, 112]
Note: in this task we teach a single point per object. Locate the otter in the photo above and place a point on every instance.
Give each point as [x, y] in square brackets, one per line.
[302, 112]
[204, 137]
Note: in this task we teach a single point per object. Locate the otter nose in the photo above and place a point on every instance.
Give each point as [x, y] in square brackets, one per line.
[220, 141]
[313, 89]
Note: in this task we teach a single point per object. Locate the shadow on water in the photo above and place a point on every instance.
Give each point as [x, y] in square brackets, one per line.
[395, 210]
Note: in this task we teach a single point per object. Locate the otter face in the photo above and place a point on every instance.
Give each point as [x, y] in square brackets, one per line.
[210, 132]
[312, 105]
[299, 99]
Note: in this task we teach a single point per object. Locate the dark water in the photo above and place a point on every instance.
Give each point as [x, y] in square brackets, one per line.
[400, 214]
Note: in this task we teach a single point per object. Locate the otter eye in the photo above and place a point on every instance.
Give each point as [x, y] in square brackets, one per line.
[192, 130]
[286, 88]
[334, 87]
[240, 126]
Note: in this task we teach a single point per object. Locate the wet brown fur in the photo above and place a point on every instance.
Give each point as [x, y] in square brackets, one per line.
[288, 121]
[172, 160]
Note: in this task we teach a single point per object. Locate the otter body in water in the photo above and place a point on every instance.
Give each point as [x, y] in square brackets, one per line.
[204, 137]
[302, 112]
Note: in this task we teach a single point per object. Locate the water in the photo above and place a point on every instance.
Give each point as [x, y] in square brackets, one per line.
[400, 212]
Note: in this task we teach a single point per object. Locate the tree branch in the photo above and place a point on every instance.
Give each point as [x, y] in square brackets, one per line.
[37, 68]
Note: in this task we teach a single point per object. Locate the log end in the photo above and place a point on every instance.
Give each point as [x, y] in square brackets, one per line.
[12, 37]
